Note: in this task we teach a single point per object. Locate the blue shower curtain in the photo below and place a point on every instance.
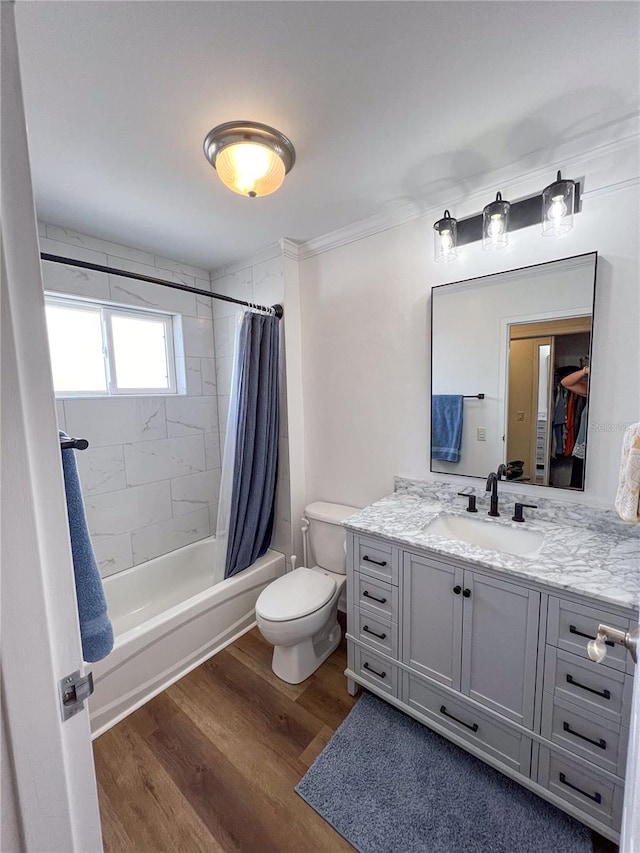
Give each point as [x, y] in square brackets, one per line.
[256, 451]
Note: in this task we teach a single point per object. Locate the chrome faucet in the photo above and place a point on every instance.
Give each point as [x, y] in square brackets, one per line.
[492, 486]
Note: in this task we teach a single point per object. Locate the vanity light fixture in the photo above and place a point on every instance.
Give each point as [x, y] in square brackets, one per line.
[558, 200]
[446, 239]
[556, 205]
[250, 158]
[495, 225]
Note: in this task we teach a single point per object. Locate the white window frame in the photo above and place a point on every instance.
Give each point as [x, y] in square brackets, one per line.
[107, 311]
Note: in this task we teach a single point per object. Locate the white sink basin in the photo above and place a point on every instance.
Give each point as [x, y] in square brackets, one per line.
[496, 537]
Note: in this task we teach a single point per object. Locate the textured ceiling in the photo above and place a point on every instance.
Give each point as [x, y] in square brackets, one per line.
[383, 101]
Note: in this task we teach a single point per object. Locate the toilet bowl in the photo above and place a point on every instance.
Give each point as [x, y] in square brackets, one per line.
[297, 613]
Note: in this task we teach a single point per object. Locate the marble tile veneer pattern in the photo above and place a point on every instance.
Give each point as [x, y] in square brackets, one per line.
[586, 550]
[151, 475]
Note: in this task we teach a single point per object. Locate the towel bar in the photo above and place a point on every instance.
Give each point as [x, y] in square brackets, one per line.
[73, 444]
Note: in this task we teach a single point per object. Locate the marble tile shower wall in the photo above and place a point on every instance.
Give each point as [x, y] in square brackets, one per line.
[151, 475]
[262, 283]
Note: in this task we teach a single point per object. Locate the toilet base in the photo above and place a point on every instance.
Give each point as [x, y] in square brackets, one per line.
[294, 664]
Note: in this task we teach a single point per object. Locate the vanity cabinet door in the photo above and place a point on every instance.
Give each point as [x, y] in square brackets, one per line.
[432, 618]
[500, 645]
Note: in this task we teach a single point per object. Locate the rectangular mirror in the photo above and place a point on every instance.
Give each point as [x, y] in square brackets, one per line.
[510, 356]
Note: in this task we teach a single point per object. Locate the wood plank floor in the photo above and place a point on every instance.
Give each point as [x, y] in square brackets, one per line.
[211, 763]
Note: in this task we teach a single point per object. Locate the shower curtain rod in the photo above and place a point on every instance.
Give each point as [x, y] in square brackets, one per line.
[58, 259]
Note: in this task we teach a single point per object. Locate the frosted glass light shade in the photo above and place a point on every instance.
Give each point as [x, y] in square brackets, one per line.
[250, 158]
[445, 239]
[250, 168]
[495, 225]
[558, 201]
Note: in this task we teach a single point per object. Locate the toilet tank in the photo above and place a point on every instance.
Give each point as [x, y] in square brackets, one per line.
[327, 535]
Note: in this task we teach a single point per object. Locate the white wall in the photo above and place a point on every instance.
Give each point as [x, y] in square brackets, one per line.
[365, 318]
[151, 474]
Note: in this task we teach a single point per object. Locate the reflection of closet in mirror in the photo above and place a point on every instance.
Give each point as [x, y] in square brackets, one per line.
[543, 417]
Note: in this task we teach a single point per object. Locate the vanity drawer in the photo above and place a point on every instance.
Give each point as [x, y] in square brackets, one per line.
[376, 670]
[504, 743]
[604, 692]
[582, 785]
[570, 626]
[376, 597]
[587, 735]
[377, 632]
[377, 559]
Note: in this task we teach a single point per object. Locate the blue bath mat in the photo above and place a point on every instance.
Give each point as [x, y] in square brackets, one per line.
[389, 785]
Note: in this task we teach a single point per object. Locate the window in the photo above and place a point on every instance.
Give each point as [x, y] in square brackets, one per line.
[102, 350]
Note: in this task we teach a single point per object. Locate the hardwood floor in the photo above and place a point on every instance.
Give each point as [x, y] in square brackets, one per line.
[211, 763]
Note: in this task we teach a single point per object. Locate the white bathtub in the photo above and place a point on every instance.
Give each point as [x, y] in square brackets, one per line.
[167, 619]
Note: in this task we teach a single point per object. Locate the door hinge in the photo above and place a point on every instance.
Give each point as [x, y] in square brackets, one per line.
[73, 690]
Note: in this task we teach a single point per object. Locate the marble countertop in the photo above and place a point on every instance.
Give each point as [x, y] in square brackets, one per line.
[585, 550]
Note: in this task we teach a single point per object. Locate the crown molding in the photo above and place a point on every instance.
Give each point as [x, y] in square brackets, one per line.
[604, 141]
[289, 248]
[269, 253]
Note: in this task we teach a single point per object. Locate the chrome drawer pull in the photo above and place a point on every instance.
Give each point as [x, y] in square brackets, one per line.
[367, 594]
[574, 630]
[373, 633]
[606, 694]
[595, 797]
[601, 744]
[377, 562]
[365, 665]
[474, 727]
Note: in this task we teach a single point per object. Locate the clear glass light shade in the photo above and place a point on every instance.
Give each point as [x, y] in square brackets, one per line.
[249, 168]
[445, 239]
[495, 225]
[558, 201]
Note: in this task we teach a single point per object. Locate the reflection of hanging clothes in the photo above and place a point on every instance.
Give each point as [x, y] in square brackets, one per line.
[570, 435]
[579, 447]
[559, 421]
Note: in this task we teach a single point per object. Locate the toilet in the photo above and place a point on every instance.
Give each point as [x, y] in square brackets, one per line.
[297, 613]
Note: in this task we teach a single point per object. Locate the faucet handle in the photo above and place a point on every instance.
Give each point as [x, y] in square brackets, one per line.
[472, 500]
[517, 511]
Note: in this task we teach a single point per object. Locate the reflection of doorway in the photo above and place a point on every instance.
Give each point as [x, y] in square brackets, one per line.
[540, 354]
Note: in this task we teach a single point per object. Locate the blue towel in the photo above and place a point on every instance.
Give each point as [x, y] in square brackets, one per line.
[446, 426]
[95, 627]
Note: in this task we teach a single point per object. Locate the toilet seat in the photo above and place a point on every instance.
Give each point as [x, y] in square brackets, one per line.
[295, 595]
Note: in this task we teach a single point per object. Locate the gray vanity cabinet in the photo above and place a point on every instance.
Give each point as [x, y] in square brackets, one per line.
[498, 666]
[473, 633]
[432, 618]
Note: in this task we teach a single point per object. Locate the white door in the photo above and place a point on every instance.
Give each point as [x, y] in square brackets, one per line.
[48, 779]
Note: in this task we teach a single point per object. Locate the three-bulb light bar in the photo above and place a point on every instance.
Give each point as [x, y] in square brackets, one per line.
[554, 208]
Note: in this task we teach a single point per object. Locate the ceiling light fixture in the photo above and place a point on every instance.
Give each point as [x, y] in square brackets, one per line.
[250, 158]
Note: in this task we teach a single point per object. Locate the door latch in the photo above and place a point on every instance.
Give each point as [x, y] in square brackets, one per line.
[73, 690]
[597, 651]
